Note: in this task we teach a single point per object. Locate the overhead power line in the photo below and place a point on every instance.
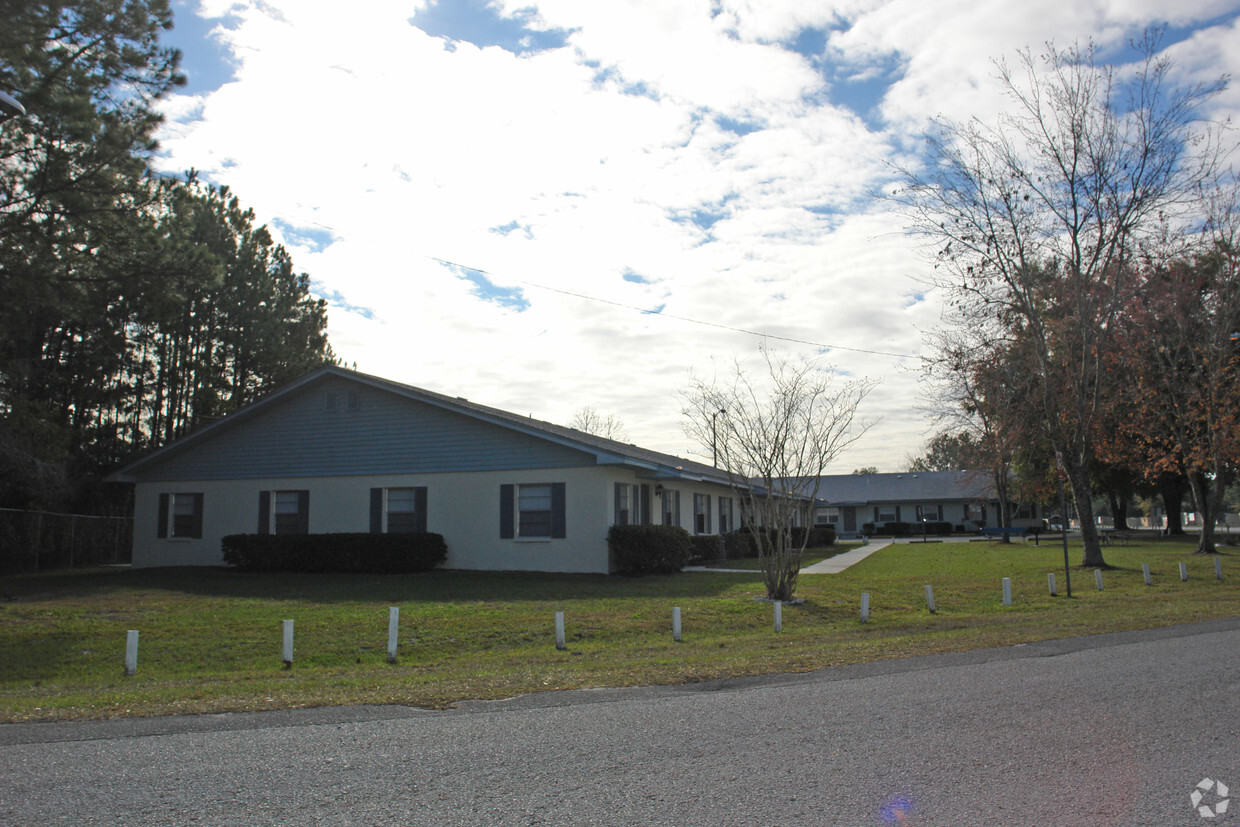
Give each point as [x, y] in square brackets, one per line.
[653, 312]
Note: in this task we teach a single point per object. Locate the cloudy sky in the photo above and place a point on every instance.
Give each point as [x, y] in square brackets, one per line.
[549, 204]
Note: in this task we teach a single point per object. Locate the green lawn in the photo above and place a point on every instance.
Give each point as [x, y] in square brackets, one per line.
[210, 638]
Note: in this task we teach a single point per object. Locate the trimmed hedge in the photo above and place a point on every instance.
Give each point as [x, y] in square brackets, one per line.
[649, 549]
[707, 548]
[941, 528]
[819, 536]
[369, 553]
[930, 527]
[739, 545]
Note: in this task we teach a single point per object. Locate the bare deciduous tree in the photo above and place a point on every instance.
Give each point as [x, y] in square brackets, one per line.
[608, 426]
[1037, 220]
[774, 436]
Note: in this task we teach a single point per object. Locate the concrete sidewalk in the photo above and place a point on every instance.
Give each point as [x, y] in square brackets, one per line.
[832, 565]
[836, 564]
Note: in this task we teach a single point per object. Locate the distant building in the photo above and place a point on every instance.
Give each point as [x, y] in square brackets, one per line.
[963, 498]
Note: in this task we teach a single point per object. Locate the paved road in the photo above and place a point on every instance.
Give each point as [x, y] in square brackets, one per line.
[1112, 730]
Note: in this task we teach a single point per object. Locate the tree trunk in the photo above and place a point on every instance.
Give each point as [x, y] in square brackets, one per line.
[1005, 507]
[1119, 509]
[1171, 490]
[1209, 504]
[1092, 557]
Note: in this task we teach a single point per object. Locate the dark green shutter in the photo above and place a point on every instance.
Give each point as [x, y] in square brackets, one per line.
[196, 529]
[162, 529]
[376, 510]
[303, 512]
[505, 512]
[419, 503]
[645, 496]
[264, 512]
[558, 517]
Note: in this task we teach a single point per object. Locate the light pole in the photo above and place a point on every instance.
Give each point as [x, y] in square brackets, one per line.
[1063, 521]
[714, 450]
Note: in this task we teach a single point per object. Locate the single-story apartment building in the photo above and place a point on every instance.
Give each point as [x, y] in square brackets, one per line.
[342, 451]
[965, 498]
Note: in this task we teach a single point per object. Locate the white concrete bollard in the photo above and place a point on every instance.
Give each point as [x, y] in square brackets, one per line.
[393, 630]
[676, 624]
[1098, 578]
[1218, 567]
[930, 598]
[1007, 591]
[559, 630]
[1050, 582]
[287, 651]
[865, 607]
[131, 652]
[1145, 572]
[779, 616]
[1184, 572]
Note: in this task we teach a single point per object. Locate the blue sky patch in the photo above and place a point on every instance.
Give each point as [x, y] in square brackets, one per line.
[479, 22]
[706, 216]
[337, 301]
[810, 43]
[316, 239]
[205, 62]
[635, 278]
[862, 92]
[512, 227]
[736, 126]
[512, 298]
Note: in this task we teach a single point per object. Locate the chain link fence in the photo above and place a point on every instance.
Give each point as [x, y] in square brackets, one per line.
[42, 540]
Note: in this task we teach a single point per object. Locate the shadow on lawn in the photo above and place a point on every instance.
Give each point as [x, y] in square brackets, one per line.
[435, 586]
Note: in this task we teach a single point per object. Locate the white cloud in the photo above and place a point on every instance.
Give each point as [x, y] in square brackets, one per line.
[597, 158]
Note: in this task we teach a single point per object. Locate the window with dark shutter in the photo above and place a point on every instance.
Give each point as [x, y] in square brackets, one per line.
[534, 511]
[180, 515]
[290, 512]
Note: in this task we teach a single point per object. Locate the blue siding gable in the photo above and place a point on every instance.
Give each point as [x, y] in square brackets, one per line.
[381, 432]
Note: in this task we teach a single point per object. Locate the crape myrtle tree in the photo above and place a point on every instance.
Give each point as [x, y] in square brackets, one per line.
[1036, 221]
[774, 435]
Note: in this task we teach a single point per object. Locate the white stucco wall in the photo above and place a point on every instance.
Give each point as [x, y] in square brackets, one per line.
[463, 507]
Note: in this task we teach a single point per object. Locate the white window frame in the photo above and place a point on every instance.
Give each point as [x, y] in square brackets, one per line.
[670, 507]
[701, 508]
[528, 489]
[277, 505]
[630, 505]
[727, 514]
[186, 500]
[387, 507]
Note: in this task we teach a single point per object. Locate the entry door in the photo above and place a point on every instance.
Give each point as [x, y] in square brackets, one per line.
[850, 518]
